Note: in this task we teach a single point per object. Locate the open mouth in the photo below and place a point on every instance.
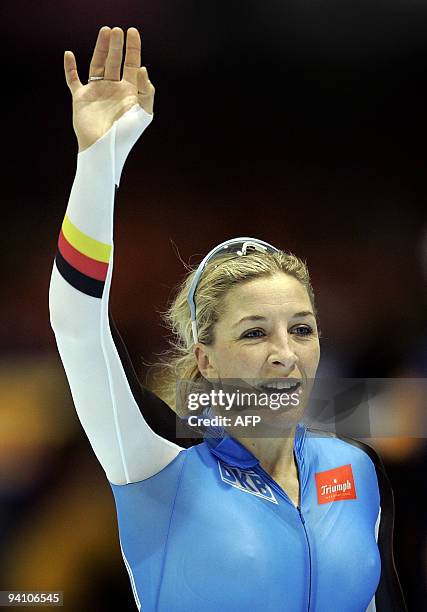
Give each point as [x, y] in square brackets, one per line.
[280, 386]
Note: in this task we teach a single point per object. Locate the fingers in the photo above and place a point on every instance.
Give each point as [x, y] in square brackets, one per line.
[145, 90]
[133, 56]
[143, 82]
[71, 74]
[100, 53]
[114, 58]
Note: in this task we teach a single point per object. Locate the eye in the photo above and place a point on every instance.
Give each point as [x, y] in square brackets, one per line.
[302, 330]
[253, 331]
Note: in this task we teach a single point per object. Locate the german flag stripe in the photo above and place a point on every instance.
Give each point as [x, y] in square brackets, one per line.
[82, 263]
[85, 244]
[77, 279]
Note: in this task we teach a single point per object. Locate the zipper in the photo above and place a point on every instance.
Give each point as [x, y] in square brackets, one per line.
[282, 493]
[309, 557]
[305, 531]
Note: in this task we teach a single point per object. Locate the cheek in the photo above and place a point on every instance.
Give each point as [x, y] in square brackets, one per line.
[308, 353]
[236, 363]
[311, 359]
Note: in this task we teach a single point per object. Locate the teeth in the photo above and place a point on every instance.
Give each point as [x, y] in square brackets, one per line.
[278, 385]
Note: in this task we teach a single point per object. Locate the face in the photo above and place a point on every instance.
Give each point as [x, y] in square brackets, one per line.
[267, 331]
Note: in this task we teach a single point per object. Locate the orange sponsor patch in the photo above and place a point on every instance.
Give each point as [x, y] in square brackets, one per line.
[335, 485]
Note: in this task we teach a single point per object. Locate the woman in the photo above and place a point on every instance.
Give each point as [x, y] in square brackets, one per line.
[287, 520]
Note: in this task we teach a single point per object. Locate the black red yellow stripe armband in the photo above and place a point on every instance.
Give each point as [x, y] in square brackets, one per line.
[81, 260]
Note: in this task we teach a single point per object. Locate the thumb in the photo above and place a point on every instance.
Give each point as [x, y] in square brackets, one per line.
[71, 74]
[145, 90]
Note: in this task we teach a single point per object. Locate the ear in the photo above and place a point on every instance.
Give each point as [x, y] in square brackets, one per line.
[205, 360]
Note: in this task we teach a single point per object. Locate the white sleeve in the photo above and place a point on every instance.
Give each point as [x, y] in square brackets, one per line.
[127, 448]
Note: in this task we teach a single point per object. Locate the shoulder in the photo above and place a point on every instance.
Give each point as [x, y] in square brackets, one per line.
[347, 447]
[327, 441]
[365, 448]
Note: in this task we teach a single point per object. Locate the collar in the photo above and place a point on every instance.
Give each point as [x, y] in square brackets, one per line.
[229, 450]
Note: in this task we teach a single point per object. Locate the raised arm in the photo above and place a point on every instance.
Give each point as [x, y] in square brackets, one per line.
[109, 115]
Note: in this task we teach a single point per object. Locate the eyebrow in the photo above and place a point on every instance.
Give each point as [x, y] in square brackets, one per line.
[303, 313]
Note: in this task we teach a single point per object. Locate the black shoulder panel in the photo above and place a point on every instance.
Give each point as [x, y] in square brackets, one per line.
[389, 595]
[159, 416]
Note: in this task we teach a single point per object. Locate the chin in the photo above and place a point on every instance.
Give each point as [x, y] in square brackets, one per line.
[272, 423]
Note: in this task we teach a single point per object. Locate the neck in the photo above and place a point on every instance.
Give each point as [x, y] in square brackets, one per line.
[275, 455]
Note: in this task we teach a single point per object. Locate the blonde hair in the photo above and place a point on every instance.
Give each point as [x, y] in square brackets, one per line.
[178, 362]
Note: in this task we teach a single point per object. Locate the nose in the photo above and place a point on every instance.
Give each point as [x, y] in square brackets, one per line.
[282, 357]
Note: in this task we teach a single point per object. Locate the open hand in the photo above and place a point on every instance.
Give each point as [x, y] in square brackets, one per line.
[97, 105]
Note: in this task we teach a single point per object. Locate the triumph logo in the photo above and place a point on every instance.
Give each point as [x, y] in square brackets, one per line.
[335, 485]
[326, 489]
